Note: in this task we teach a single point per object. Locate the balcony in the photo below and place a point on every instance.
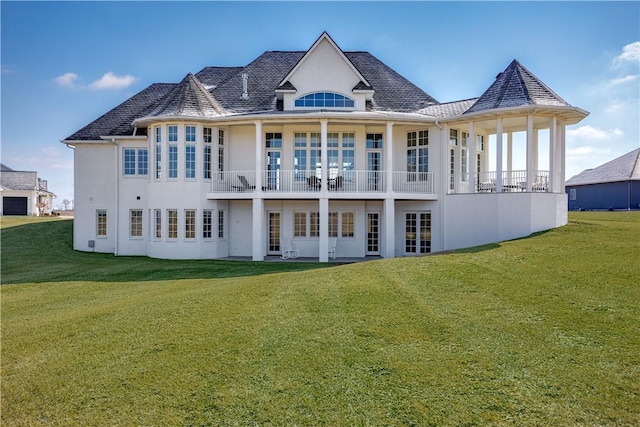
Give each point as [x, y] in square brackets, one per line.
[487, 182]
[310, 182]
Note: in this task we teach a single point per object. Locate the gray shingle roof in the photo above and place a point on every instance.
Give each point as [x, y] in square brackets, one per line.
[118, 121]
[623, 168]
[189, 98]
[515, 87]
[19, 180]
[448, 109]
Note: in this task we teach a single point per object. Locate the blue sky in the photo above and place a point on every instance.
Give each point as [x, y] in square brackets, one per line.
[66, 63]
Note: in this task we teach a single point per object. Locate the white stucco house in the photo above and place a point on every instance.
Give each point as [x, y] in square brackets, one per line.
[24, 193]
[327, 151]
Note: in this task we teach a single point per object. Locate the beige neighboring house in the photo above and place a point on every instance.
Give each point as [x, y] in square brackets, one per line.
[23, 193]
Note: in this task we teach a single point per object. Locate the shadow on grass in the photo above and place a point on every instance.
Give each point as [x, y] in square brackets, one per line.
[43, 252]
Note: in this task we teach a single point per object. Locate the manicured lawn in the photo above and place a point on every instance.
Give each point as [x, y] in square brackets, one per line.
[537, 331]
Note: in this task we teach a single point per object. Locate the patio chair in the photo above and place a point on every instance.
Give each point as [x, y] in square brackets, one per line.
[289, 249]
[336, 184]
[332, 248]
[245, 184]
[314, 183]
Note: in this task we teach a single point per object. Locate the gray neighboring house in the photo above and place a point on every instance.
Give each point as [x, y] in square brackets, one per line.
[23, 193]
[613, 185]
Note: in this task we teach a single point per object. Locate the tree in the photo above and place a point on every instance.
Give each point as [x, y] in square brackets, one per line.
[66, 204]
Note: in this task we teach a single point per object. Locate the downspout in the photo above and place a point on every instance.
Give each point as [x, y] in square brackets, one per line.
[443, 161]
[115, 151]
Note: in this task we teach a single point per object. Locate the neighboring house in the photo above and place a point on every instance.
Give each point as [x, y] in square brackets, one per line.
[613, 185]
[23, 193]
[324, 150]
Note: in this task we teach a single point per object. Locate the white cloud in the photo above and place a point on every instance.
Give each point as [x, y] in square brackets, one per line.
[67, 80]
[623, 80]
[112, 81]
[590, 133]
[630, 53]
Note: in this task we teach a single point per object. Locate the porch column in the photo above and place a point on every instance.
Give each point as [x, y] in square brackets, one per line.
[553, 173]
[389, 228]
[388, 151]
[563, 152]
[473, 171]
[324, 170]
[510, 156]
[323, 243]
[529, 151]
[258, 248]
[535, 151]
[499, 155]
[259, 151]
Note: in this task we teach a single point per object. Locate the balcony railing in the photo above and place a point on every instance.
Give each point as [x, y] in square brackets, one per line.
[486, 182]
[297, 181]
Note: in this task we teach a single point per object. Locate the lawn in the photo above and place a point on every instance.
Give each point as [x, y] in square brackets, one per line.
[536, 331]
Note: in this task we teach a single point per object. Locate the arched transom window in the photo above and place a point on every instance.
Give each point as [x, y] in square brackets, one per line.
[324, 99]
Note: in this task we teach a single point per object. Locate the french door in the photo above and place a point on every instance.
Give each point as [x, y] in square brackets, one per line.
[273, 233]
[417, 233]
[373, 233]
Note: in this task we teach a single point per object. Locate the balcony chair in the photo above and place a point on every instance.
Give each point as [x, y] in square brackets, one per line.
[245, 184]
[336, 184]
[332, 248]
[289, 249]
[314, 183]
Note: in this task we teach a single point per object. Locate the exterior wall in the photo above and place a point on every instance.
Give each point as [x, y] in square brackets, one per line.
[95, 182]
[614, 195]
[472, 220]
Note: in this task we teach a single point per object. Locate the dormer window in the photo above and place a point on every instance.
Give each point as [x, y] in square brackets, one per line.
[324, 100]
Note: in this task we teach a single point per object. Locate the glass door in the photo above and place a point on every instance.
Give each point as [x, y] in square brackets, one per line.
[273, 237]
[373, 233]
[273, 170]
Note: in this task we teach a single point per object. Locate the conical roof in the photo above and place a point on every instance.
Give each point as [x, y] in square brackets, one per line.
[188, 99]
[515, 87]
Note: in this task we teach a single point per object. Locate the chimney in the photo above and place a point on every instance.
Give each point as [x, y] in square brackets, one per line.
[245, 90]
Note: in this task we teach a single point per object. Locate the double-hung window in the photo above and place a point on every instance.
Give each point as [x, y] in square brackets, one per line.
[190, 224]
[306, 224]
[135, 223]
[158, 149]
[342, 224]
[157, 218]
[172, 223]
[417, 155]
[220, 224]
[101, 223]
[207, 223]
[190, 152]
[173, 151]
[206, 152]
[136, 161]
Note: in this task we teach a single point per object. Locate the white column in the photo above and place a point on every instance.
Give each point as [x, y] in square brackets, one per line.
[324, 175]
[563, 152]
[510, 154]
[535, 150]
[389, 228]
[529, 151]
[473, 171]
[258, 230]
[259, 151]
[499, 155]
[553, 173]
[323, 244]
[388, 150]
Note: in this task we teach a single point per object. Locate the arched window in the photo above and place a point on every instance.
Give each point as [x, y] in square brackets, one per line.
[325, 99]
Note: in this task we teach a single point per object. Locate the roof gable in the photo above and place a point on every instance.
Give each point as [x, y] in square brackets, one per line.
[325, 43]
[623, 168]
[516, 87]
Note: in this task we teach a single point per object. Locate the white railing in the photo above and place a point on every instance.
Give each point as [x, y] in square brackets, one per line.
[413, 182]
[487, 182]
[290, 181]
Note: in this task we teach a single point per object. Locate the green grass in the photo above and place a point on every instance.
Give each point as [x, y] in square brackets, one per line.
[536, 331]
